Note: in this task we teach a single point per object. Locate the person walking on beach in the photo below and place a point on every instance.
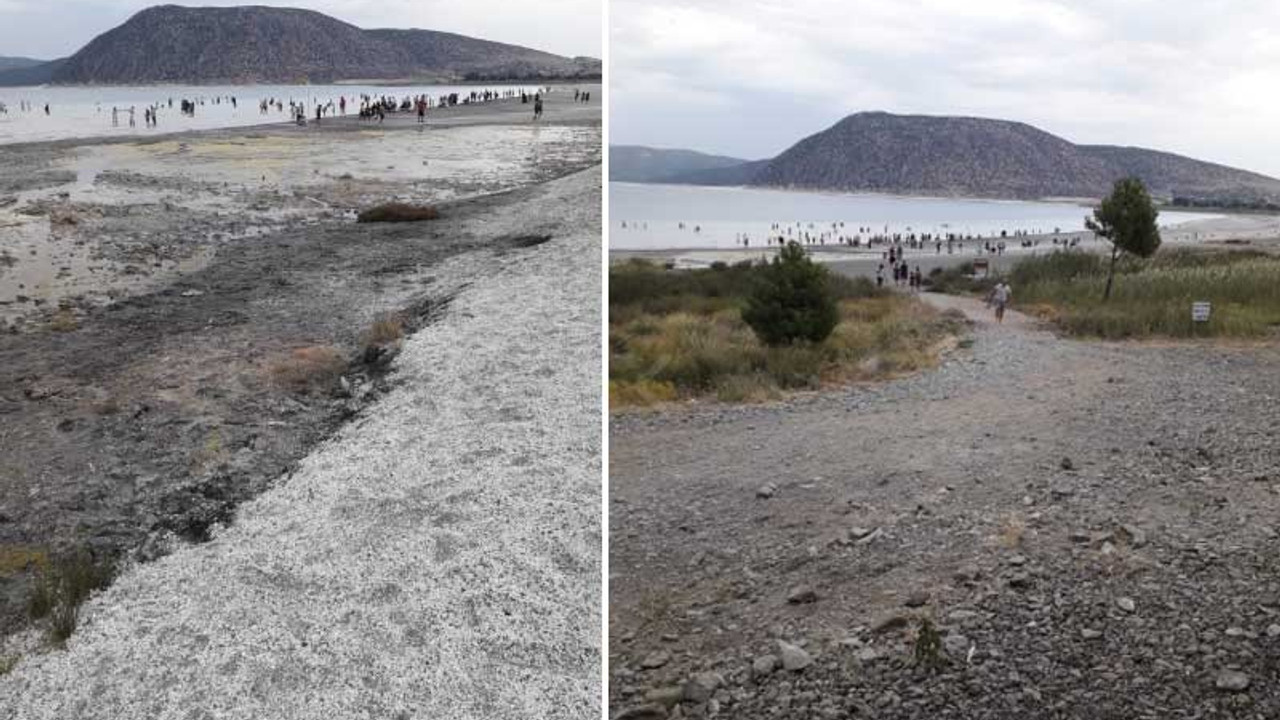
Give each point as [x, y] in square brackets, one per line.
[537, 107]
[1000, 296]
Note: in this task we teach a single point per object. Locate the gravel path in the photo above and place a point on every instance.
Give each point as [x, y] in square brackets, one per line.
[439, 557]
[1091, 527]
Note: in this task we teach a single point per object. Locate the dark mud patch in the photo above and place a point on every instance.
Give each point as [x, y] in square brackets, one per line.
[152, 420]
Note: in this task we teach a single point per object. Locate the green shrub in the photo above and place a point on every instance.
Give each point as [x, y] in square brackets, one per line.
[791, 301]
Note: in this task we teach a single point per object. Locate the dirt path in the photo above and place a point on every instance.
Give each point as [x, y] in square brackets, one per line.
[1014, 496]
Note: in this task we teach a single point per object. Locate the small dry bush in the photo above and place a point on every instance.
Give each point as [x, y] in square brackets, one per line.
[309, 369]
[1012, 531]
[754, 388]
[62, 587]
[63, 321]
[384, 331]
[398, 212]
[640, 393]
[211, 453]
[15, 559]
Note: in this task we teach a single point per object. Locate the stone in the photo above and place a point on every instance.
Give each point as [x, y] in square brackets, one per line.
[764, 665]
[857, 533]
[642, 712]
[802, 595]
[956, 645]
[655, 660]
[1231, 680]
[889, 623]
[668, 697]
[1066, 464]
[1273, 630]
[794, 657]
[1090, 634]
[1133, 535]
[1126, 604]
[919, 598]
[1080, 536]
[767, 491]
[700, 687]
[1020, 581]
[870, 537]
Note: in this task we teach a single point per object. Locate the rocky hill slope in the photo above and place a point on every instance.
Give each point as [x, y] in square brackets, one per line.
[976, 157]
[246, 44]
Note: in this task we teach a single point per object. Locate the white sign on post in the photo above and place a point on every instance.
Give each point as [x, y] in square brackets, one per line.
[1200, 311]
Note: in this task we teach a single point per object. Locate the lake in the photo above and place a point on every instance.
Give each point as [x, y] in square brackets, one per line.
[643, 217]
[85, 111]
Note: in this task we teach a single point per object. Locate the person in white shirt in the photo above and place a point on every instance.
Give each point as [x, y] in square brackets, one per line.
[1000, 296]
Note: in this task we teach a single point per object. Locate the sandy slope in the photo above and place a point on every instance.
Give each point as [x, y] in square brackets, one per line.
[437, 558]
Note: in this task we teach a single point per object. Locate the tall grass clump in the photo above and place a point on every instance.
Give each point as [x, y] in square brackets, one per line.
[1153, 297]
[61, 588]
[680, 334]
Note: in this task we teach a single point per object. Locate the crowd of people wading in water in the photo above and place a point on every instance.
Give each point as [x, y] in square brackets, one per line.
[365, 106]
[895, 243]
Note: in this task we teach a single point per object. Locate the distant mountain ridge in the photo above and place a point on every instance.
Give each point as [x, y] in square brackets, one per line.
[256, 44]
[636, 163]
[13, 63]
[976, 157]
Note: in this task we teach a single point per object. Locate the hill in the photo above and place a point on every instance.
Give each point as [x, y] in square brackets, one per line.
[976, 157]
[12, 63]
[636, 163]
[38, 74]
[249, 44]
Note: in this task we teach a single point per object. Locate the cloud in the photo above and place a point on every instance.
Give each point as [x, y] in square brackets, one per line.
[1186, 77]
[566, 27]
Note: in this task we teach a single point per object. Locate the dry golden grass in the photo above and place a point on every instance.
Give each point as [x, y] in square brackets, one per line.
[211, 453]
[693, 354]
[1013, 530]
[384, 331]
[308, 369]
[15, 559]
[63, 321]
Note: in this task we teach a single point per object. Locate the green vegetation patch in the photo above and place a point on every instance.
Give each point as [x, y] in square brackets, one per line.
[681, 334]
[1153, 297]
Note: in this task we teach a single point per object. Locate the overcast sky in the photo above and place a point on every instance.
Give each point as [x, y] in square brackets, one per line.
[748, 78]
[55, 28]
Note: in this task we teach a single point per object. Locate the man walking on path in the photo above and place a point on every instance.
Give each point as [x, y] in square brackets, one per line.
[1000, 296]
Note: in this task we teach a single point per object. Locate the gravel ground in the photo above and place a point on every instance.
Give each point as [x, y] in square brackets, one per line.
[1091, 528]
[438, 557]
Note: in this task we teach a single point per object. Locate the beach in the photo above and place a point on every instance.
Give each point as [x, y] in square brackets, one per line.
[1255, 231]
[150, 291]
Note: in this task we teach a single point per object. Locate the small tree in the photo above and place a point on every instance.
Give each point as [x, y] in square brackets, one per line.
[1127, 219]
[790, 301]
